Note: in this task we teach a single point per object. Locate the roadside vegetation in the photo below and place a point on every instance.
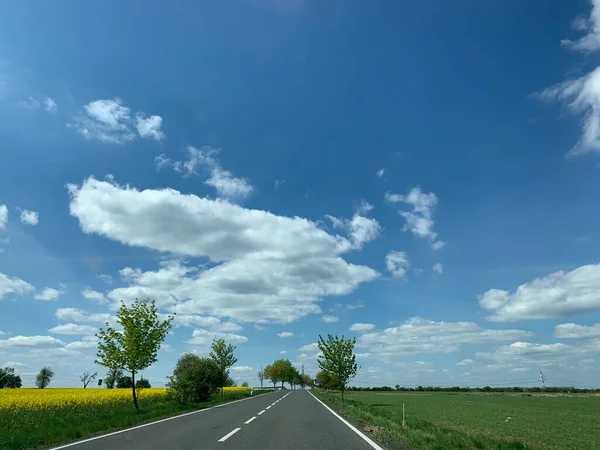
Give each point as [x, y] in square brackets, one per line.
[440, 421]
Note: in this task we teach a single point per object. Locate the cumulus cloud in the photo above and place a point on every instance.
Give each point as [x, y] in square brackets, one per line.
[419, 220]
[380, 172]
[3, 217]
[397, 263]
[285, 334]
[360, 229]
[437, 267]
[330, 319]
[80, 316]
[49, 294]
[73, 329]
[31, 341]
[95, 296]
[150, 127]
[13, 286]
[29, 217]
[267, 268]
[465, 362]
[50, 105]
[204, 338]
[105, 278]
[575, 331]
[418, 335]
[559, 294]
[108, 120]
[206, 158]
[360, 327]
[528, 353]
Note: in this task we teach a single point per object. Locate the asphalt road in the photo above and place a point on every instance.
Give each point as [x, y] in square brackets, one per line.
[276, 421]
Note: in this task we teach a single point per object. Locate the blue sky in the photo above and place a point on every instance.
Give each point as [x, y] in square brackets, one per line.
[421, 176]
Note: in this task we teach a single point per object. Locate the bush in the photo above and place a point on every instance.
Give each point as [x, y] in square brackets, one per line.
[124, 382]
[142, 383]
[245, 384]
[195, 379]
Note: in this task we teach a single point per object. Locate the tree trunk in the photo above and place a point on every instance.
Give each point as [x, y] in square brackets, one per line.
[133, 391]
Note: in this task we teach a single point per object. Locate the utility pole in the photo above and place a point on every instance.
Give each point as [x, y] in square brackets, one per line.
[302, 375]
[542, 379]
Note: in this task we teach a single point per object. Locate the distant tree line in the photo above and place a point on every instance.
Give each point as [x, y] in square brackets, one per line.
[553, 389]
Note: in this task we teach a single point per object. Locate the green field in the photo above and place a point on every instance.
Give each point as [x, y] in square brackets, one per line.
[442, 421]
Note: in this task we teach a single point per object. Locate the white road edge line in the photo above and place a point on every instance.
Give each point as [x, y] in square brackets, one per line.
[249, 420]
[72, 444]
[261, 412]
[228, 435]
[349, 425]
[268, 407]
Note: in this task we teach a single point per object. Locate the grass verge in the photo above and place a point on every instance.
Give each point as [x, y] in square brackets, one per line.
[471, 421]
[56, 428]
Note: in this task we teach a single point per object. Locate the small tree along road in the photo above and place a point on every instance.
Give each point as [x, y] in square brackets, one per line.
[222, 354]
[86, 378]
[338, 359]
[136, 347]
[42, 380]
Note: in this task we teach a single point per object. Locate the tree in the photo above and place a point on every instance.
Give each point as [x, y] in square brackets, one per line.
[123, 382]
[397, 387]
[327, 380]
[270, 375]
[245, 384]
[110, 380]
[8, 379]
[306, 381]
[86, 378]
[136, 347]
[43, 378]
[143, 383]
[222, 354]
[195, 379]
[338, 359]
[261, 376]
[280, 371]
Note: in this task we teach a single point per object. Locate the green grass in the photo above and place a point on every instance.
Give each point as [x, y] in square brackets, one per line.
[442, 421]
[54, 429]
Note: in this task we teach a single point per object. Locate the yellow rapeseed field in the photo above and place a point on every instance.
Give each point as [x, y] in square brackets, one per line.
[236, 389]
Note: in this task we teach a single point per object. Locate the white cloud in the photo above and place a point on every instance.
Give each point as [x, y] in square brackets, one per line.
[242, 369]
[204, 337]
[380, 172]
[3, 217]
[105, 278]
[360, 228]
[110, 121]
[13, 285]
[79, 315]
[360, 327]
[29, 217]
[73, 329]
[285, 334]
[95, 296]
[226, 185]
[418, 335]
[591, 25]
[575, 331]
[50, 105]
[283, 352]
[465, 362]
[438, 245]
[527, 353]
[559, 294]
[31, 341]
[330, 319]
[49, 294]
[314, 347]
[419, 221]
[437, 267]
[268, 268]
[150, 127]
[397, 263]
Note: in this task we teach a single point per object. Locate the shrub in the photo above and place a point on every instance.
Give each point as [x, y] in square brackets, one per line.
[195, 379]
[143, 383]
[124, 382]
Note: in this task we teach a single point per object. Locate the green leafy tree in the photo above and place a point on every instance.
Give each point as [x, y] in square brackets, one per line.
[86, 378]
[222, 354]
[261, 376]
[143, 383]
[8, 379]
[245, 384]
[110, 380]
[280, 371]
[306, 381]
[338, 359]
[44, 377]
[195, 379]
[136, 347]
[327, 380]
[269, 374]
[123, 382]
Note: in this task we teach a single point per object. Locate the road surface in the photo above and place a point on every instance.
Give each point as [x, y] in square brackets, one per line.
[276, 421]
